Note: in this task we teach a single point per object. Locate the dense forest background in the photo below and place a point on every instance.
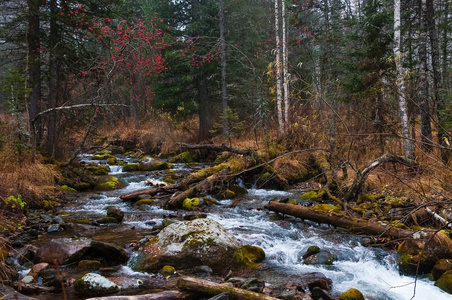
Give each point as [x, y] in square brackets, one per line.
[359, 78]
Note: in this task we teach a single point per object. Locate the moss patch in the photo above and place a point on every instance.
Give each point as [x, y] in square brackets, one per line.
[351, 294]
[89, 264]
[84, 221]
[445, 282]
[108, 220]
[309, 195]
[326, 208]
[190, 203]
[131, 167]
[98, 170]
[108, 183]
[66, 188]
[249, 255]
[144, 202]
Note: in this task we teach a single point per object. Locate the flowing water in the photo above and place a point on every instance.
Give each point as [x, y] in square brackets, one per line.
[371, 270]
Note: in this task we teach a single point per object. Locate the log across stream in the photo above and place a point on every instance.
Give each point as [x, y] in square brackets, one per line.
[284, 239]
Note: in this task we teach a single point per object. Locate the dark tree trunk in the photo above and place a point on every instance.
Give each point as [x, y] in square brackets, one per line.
[205, 119]
[443, 135]
[224, 92]
[53, 80]
[34, 70]
[426, 128]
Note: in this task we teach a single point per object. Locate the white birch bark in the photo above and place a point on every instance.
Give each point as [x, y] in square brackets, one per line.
[278, 70]
[285, 56]
[408, 149]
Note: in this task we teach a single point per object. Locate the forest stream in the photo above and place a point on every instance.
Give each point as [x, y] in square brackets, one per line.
[284, 239]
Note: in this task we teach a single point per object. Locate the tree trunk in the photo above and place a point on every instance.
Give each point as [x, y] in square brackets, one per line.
[443, 135]
[208, 288]
[285, 57]
[277, 66]
[54, 37]
[424, 107]
[166, 295]
[408, 146]
[339, 220]
[224, 93]
[205, 119]
[34, 74]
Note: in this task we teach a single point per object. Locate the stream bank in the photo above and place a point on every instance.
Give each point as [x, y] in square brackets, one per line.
[284, 240]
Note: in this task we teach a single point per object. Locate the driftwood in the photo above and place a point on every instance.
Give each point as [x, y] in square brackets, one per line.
[353, 224]
[361, 176]
[167, 295]
[206, 287]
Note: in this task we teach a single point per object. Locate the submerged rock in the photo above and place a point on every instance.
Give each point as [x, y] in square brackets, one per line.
[189, 244]
[441, 267]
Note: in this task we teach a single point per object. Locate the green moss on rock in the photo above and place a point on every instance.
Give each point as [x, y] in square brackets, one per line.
[351, 294]
[167, 270]
[309, 195]
[190, 203]
[82, 186]
[108, 183]
[445, 282]
[66, 188]
[249, 255]
[144, 202]
[89, 264]
[326, 208]
[84, 221]
[98, 170]
[131, 167]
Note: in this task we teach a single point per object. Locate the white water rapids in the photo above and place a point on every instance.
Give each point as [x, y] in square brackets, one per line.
[371, 270]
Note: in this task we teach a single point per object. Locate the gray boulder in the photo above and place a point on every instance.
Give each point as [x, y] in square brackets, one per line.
[189, 244]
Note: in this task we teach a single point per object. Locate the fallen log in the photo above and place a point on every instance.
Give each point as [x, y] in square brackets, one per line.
[167, 295]
[339, 220]
[150, 192]
[206, 287]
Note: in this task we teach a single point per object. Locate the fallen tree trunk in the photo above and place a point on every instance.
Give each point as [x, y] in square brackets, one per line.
[206, 287]
[355, 225]
[150, 192]
[167, 295]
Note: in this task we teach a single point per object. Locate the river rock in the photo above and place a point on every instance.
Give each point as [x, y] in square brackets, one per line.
[351, 294]
[423, 251]
[63, 250]
[445, 282]
[116, 213]
[37, 268]
[323, 257]
[68, 250]
[92, 284]
[189, 244]
[441, 267]
[315, 279]
[152, 164]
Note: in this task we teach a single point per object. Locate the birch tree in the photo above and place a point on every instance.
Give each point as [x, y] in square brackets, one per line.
[278, 70]
[408, 147]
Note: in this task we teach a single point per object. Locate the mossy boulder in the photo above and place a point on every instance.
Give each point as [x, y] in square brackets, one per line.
[108, 183]
[191, 203]
[249, 255]
[98, 170]
[143, 203]
[115, 212]
[131, 167]
[445, 282]
[309, 195]
[102, 155]
[184, 157]
[66, 188]
[189, 244]
[441, 267]
[89, 264]
[351, 294]
[84, 221]
[116, 149]
[167, 270]
[423, 251]
[82, 186]
[152, 164]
